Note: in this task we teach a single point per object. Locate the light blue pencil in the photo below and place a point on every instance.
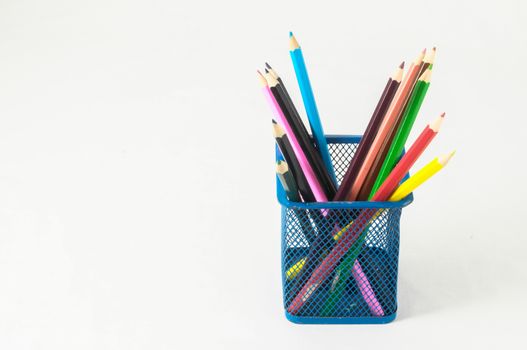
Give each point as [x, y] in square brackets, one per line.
[309, 103]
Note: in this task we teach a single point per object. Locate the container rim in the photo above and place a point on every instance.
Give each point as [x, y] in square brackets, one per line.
[282, 198]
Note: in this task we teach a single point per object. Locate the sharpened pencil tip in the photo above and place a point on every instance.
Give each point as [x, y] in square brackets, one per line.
[435, 125]
[442, 115]
[266, 70]
[424, 51]
[262, 79]
[401, 65]
[293, 43]
[268, 65]
[444, 159]
[274, 121]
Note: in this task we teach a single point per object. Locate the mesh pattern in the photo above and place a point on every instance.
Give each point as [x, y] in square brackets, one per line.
[362, 281]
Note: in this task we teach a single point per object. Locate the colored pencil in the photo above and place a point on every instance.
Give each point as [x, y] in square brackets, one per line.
[290, 157]
[354, 232]
[369, 134]
[301, 134]
[294, 270]
[310, 105]
[287, 180]
[350, 234]
[397, 145]
[421, 176]
[409, 158]
[307, 170]
[347, 266]
[384, 129]
[428, 61]
[375, 168]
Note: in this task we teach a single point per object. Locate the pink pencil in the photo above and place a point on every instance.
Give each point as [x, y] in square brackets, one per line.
[364, 285]
[391, 115]
[319, 194]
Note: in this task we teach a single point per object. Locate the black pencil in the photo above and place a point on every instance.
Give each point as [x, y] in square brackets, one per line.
[288, 181]
[301, 134]
[289, 155]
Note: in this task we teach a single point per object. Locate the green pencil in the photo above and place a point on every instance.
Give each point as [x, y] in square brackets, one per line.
[410, 113]
[342, 274]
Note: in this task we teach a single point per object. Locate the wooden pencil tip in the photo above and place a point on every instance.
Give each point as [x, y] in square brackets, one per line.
[444, 159]
[272, 81]
[281, 167]
[442, 115]
[435, 125]
[398, 74]
[293, 43]
[262, 79]
[430, 56]
[278, 131]
[426, 76]
[271, 71]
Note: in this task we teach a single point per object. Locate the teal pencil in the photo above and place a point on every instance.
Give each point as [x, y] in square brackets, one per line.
[287, 181]
[309, 103]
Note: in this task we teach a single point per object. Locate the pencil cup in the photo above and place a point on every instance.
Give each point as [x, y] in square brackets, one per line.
[340, 259]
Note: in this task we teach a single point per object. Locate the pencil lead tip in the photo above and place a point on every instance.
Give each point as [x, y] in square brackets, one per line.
[434, 48]
[268, 65]
[274, 121]
[442, 115]
[290, 34]
[401, 65]
[266, 70]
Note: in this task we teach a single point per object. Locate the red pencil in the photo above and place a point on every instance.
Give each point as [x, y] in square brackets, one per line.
[353, 233]
[396, 175]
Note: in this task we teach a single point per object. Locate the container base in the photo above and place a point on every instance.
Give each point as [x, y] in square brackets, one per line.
[340, 320]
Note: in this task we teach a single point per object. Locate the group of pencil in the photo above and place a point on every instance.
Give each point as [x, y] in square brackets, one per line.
[375, 173]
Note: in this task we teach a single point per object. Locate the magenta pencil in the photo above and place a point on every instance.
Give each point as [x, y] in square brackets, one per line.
[366, 290]
[358, 274]
[318, 192]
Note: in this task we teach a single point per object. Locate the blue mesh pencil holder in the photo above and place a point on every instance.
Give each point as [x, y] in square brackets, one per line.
[361, 287]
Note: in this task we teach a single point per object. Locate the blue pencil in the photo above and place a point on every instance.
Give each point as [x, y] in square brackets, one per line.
[309, 103]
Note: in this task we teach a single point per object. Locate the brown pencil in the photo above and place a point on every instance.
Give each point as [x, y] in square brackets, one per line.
[390, 119]
[369, 133]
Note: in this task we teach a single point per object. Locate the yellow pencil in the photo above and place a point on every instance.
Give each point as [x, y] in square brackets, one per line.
[421, 176]
[295, 269]
[410, 184]
[402, 191]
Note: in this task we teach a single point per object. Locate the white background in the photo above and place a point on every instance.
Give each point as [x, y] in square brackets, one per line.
[137, 204]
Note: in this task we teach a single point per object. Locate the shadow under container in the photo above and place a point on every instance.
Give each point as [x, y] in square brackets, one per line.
[361, 285]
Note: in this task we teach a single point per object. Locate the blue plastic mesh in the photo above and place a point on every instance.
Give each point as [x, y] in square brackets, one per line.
[362, 283]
